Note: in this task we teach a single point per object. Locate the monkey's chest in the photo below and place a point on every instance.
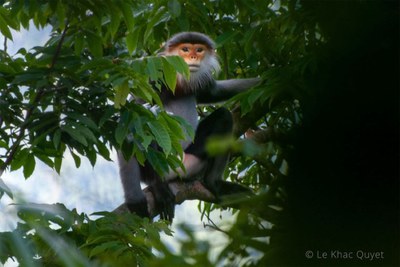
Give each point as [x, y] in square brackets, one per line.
[184, 107]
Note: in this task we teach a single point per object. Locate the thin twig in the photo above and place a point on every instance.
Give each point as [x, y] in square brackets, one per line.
[5, 44]
[213, 225]
[59, 45]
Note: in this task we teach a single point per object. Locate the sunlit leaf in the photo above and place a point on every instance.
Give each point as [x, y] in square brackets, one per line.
[132, 40]
[128, 16]
[169, 74]
[180, 65]
[121, 94]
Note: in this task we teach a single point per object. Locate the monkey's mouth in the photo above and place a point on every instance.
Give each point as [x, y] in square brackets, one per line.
[193, 67]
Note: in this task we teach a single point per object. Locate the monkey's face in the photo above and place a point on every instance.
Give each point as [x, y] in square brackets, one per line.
[193, 54]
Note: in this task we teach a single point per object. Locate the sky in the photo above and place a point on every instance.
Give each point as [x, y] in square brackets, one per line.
[88, 189]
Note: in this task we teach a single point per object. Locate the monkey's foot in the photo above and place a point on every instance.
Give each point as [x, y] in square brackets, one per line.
[164, 200]
[140, 208]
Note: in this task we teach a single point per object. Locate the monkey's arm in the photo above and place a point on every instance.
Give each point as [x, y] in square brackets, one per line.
[224, 89]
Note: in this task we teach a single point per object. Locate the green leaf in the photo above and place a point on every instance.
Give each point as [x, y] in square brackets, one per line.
[153, 66]
[5, 189]
[132, 39]
[76, 158]
[4, 144]
[174, 8]
[169, 74]
[157, 161]
[60, 11]
[6, 69]
[226, 37]
[57, 138]
[29, 166]
[107, 114]
[78, 44]
[156, 19]
[20, 159]
[179, 64]
[91, 155]
[103, 150]
[121, 94]
[176, 132]
[128, 15]
[57, 164]
[83, 120]
[29, 76]
[139, 155]
[76, 135]
[95, 44]
[115, 19]
[4, 28]
[174, 125]
[161, 135]
[87, 133]
[103, 247]
[145, 91]
[45, 159]
[187, 127]
[11, 21]
[122, 128]
[102, 63]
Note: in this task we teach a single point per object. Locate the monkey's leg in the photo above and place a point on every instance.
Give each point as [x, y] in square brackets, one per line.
[218, 123]
[196, 160]
[130, 178]
[193, 166]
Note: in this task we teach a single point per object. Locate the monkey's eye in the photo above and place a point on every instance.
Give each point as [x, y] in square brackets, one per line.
[185, 49]
[199, 50]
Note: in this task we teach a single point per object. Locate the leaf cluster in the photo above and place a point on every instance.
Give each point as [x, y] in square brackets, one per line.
[51, 235]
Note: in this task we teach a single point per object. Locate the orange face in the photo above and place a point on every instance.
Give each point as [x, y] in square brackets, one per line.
[193, 54]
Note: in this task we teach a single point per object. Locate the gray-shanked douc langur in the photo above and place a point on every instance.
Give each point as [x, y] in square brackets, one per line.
[198, 51]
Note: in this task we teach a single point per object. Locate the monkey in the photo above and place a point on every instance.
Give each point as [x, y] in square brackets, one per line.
[198, 51]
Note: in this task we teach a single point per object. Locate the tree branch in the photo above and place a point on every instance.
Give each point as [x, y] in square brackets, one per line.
[191, 190]
[242, 123]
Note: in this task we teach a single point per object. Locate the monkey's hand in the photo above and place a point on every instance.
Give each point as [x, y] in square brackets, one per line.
[164, 200]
